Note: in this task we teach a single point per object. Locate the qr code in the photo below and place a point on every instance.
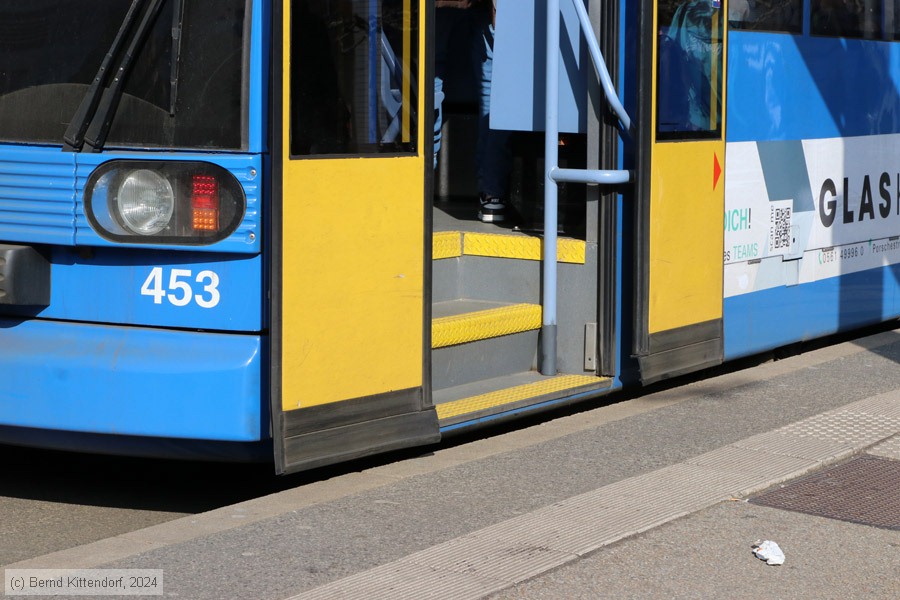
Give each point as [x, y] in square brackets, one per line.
[779, 228]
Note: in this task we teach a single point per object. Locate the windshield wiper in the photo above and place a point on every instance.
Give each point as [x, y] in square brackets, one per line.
[177, 21]
[74, 136]
[109, 102]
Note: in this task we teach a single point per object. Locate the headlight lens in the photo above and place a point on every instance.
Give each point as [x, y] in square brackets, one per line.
[163, 202]
[145, 202]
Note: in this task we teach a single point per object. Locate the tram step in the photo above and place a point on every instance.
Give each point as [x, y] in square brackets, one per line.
[498, 395]
[461, 321]
[466, 265]
[475, 340]
[453, 244]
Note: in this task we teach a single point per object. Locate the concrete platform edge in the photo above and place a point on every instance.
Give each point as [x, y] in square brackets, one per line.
[526, 546]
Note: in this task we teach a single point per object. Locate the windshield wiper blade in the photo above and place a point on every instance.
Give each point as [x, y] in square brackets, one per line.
[177, 23]
[109, 102]
[74, 136]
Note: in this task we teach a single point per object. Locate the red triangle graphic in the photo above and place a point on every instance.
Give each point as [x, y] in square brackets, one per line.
[717, 170]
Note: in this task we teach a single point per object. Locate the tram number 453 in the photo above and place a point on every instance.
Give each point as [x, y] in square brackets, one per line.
[181, 287]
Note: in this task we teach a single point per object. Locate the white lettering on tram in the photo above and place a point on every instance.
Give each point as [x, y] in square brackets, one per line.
[180, 291]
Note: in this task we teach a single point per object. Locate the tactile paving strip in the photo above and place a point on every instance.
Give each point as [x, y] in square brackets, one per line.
[848, 427]
[888, 449]
[863, 490]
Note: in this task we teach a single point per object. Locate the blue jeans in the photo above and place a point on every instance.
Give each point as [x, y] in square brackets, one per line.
[493, 156]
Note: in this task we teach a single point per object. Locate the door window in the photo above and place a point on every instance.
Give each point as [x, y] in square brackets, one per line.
[689, 72]
[353, 77]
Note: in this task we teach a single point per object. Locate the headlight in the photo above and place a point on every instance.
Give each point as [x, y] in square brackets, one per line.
[163, 202]
[145, 202]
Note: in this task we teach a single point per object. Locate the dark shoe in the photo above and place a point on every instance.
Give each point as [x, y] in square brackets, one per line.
[493, 210]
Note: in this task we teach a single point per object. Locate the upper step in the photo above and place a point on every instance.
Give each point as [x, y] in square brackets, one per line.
[466, 265]
[454, 244]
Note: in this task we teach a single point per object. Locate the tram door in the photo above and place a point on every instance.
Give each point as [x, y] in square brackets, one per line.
[348, 273]
[681, 192]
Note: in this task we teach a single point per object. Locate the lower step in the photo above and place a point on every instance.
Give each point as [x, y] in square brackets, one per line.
[474, 340]
[452, 366]
[462, 321]
[483, 399]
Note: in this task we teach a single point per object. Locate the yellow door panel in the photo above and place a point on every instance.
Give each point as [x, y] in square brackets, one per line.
[349, 276]
[353, 227]
[682, 202]
[353, 279]
[686, 235]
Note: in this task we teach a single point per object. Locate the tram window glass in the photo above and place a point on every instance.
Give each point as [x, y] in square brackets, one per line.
[766, 15]
[893, 19]
[353, 76]
[689, 73]
[50, 51]
[846, 18]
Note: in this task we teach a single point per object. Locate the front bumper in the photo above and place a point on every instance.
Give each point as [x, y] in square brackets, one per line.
[131, 381]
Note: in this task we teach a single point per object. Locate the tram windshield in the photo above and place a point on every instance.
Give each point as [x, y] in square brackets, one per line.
[186, 87]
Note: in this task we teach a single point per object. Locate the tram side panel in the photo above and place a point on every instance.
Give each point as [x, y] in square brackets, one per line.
[812, 202]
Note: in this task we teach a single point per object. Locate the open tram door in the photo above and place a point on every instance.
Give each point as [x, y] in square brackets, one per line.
[680, 192]
[351, 120]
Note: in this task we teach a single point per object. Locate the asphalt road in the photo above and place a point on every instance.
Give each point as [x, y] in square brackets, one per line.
[344, 520]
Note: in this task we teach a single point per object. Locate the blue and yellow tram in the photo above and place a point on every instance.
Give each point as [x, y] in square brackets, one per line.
[222, 233]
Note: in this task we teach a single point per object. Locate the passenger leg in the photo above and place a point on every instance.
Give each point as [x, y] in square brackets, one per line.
[493, 154]
[446, 20]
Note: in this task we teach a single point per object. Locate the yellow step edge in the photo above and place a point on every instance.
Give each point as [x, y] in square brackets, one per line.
[497, 245]
[484, 324]
[453, 244]
[446, 244]
[514, 394]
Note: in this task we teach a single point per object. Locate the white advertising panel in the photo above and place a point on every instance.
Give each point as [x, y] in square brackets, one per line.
[797, 212]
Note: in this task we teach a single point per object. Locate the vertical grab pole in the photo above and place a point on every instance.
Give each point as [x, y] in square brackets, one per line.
[373, 35]
[406, 73]
[551, 158]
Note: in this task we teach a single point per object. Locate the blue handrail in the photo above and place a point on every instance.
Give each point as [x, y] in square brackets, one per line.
[554, 174]
[600, 65]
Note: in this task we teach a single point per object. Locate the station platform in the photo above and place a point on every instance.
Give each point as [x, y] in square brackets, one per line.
[656, 495]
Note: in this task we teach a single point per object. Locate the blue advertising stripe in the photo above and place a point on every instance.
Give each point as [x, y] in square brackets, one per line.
[791, 87]
[763, 320]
